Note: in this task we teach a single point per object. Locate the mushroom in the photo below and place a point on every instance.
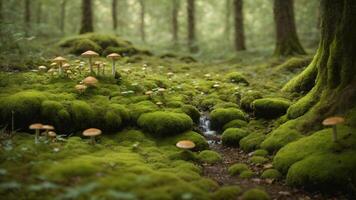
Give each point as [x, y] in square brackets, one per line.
[90, 81]
[37, 127]
[92, 132]
[159, 103]
[59, 61]
[80, 88]
[52, 135]
[170, 74]
[334, 121]
[47, 128]
[90, 55]
[98, 65]
[185, 144]
[113, 57]
[42, 68]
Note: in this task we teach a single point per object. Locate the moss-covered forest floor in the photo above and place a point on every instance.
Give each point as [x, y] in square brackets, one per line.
[143, 111]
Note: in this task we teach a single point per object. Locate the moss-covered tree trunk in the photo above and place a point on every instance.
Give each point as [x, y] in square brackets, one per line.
[175, 25]
[287, 42]
[114, 14]
[334, 91]
[63, 15]
[27, 17]
[87, 17]
[239, 26]
[192, 43]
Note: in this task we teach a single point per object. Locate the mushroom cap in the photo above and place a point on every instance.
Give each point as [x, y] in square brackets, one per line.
[66, 65]
[149, 92]
[52, 134]
[113, 56]
[92, 132]
[80, 87]
[35, 126]
[90, 81]
[159, 103]
[42, 67]
[89, 54]
[161, 90]
[59, 59]
[185, 144]
[331, 121]
[47, 127]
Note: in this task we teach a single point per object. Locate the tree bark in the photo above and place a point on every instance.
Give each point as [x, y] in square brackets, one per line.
[142, 20]
[334, 91]
[175, 25]
[287, 41]
[114, 14]
[63, 15]
[27, 17]
[227, 28]
[1, 11]
[239, 26]
[192, 43]
[87, 17]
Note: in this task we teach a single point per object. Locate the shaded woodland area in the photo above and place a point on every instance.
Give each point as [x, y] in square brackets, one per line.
[178, 99]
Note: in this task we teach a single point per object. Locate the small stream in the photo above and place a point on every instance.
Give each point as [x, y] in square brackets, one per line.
[211, 135]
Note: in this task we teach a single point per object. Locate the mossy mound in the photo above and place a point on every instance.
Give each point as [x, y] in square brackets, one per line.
[255, 194]
[271, 174]
[237, 169]
[199, 141]
[232, 136]
[221, 116]
[236, 77]
[258, 159]
[247, 99]
[247, 174]
[294, 64]
[270, 107]
[260, 152]
[161, 123]
[304, 160]
[102, 44]
[192, 111]
[210, 157]
[252, 141]
[227, 193]
[237, 123]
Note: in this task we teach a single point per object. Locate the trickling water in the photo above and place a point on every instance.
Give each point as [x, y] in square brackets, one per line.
[204, 125]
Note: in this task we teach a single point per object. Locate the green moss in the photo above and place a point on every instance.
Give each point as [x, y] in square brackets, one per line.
[53, 112]
[255, 194]
[237, 169]
[199, 140]
[112, 120]
[252, 141]
[221, 116]
[270, 107]
[133, 136]
[271, 174]
[137, 109]
[82, 45]
[294, 64]
[247, 99]
[236, 77]
[258, 159]
[303, 105]
[82, 114]
[208, 156]
[260, 152]
[192, 111]
[281, 136]
[226, 193]
[162, 123]
[237, 123]
[232, 136]
[247, 174]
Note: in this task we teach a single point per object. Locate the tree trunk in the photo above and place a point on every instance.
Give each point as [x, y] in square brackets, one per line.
[27, 17]
[192, 43]
[114, 14]
[1, 11]
[142, 20]
[239, 26]
[334, 91]
[63, 15]
[175, 27]
[227, 28]
[87, 17]
[287, 42]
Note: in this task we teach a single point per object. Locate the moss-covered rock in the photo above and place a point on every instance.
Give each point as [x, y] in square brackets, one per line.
[255, 194]
[247, 174]
[247, 99]
[226, 193]
[260, 152]
[162, 123]
[236, 77]
[271, 174]
[258, 159]
[237, 169]
[82, 114]
[237, 123]
[210, 157]
[221, 116]
[270, 107]
[199, 141]
[192, 111]
[232, 136]
[252, 141]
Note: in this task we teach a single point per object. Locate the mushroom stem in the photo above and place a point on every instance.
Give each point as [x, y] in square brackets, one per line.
[113, 67]
[334, 133]
[37, 135]
[60, 68]
[90, 65]
[92, 140]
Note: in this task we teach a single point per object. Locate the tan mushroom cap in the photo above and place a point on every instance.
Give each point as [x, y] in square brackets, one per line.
[92, 132]
[59, 59]
[90, 54]
[113, 56]
[161, 89]
[80, 87]
[52, 134]
[47, 127]
[149, 92]
[331, 121]
[159, 103]
[185, 144]
[35, 126]
[90, 81]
